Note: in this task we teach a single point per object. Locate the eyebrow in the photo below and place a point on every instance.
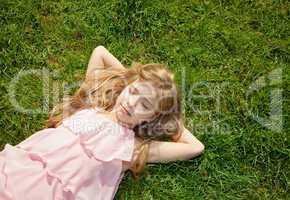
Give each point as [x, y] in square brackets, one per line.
[143, 97]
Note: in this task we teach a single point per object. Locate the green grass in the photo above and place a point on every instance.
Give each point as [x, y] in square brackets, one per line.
[216, 49]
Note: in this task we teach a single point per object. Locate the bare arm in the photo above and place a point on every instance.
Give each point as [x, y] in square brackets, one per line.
[185, 148]
[101, 58]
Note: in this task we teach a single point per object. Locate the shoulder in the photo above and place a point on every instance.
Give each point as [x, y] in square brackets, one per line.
[84, 121]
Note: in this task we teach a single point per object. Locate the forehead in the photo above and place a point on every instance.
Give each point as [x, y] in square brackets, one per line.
[145, 88]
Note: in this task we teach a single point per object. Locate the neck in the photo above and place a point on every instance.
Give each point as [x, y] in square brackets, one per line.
[114, 117]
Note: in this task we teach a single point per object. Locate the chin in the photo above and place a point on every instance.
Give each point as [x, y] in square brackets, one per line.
[121, 116]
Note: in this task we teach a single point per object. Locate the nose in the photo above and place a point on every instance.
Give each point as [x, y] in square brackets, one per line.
[133, 100]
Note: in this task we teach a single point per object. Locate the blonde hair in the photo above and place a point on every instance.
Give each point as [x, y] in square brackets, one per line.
[102, 91]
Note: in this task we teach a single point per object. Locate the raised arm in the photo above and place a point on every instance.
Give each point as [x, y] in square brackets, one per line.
[185, 148]
[101, 58]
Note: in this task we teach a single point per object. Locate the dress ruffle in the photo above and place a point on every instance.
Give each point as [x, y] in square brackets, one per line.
[17, 167]
[87, 166]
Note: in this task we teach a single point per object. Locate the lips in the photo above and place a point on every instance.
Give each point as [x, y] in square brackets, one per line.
[123, 107]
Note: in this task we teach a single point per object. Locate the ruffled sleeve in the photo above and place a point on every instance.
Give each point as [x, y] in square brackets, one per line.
[100, 137]
[112, 142]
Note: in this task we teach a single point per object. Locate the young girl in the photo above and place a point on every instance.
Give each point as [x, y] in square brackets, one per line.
[119, 119]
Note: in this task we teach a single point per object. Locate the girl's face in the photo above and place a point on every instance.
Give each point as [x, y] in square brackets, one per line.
[138, 102]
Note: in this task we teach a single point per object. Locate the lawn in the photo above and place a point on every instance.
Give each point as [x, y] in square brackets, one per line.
[230, 59]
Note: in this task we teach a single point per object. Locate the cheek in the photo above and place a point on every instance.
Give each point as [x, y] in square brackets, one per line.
[123, 95]
[120, 97]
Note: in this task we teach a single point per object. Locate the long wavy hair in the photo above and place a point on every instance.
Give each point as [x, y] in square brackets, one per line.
[102, 90]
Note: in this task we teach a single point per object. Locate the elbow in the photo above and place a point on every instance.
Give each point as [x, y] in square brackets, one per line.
[201, 148]
[100, 48]
[198, 149]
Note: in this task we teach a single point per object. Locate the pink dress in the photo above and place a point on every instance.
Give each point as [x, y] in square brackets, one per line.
[79, 160]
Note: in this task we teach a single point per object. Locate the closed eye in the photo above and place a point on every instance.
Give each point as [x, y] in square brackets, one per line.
[145, 106]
